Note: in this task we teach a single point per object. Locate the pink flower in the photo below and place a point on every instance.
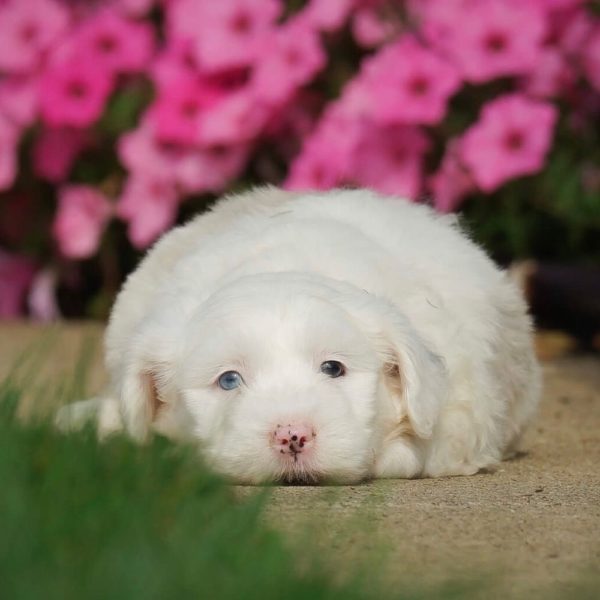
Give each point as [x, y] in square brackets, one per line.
[55, 150]
[555, 5]
[486, 38]
[141, 152]
[390, 160]
[28, 28]
[193, 169]
[19, 99]
[510, 139]
[237, 117]
[291, 122]
[113, 43]
[313, 168]
[149, 205]
[291, 56]
[572, 31]
[175, 63]
[370, 29]
[16, 273]
[452, 182]
[148, 159]
[356, 100]
[328, 15]
[437, 18]
[551, 78]
[406, 83]
[210, 169]
[9, 140]
[344, 150]
[591, 59]
[224, 34]
[82, 214]
[180, 109]
[327, 155]
[74, 93]
[133, 8]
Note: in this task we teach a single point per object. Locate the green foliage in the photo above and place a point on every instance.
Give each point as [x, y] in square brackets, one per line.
[553, 216]
[81, 519]
[78, 519]
[124, 108]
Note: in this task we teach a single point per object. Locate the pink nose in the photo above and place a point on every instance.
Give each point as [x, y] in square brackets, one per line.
[293, 438]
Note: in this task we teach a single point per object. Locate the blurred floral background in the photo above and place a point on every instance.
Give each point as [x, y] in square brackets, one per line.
[120, 118]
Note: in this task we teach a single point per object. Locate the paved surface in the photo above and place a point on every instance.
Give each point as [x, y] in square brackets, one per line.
[532, 528]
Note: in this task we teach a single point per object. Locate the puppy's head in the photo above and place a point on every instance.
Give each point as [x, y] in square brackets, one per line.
[286, 378]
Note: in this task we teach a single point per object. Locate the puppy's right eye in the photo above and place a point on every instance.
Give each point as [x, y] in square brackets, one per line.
[333, 368]
[230, 380]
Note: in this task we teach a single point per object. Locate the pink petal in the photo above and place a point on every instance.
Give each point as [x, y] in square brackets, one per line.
[82, 214]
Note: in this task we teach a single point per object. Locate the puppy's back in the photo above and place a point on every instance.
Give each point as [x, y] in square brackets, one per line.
[137, 294]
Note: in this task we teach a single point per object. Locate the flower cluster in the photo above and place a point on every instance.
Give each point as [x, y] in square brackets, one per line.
[402, 93]
[119, 110]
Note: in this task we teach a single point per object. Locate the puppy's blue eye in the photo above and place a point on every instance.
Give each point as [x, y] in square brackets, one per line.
[230, 380]
[333, 368]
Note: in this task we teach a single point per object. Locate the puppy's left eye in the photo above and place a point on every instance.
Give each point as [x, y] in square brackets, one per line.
[333, 368]
[230, 380]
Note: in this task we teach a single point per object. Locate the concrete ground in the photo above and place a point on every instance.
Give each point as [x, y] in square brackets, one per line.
[530, 529]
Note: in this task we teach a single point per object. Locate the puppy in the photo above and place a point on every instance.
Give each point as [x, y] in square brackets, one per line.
[325, 337]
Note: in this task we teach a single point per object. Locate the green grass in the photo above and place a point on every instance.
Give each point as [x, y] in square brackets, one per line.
[79, 519]
[83, 519]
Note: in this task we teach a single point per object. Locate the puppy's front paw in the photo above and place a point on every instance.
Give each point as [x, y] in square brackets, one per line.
[399, 458]
[103, 411]
[73, 417]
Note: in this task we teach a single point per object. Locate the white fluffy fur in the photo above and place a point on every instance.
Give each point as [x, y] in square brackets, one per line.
[441, 378]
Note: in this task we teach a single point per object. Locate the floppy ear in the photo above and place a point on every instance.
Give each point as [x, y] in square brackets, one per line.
[147, 384]
[143, 396]
[416, 376]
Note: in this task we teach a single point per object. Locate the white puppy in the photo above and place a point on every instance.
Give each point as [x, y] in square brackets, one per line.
[322, 337]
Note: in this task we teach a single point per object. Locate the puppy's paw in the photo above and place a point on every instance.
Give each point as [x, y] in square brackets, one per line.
[399, 459]
[103, 411]
[73, 417]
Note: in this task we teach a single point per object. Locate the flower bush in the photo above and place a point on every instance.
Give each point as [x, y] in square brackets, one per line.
[122, 117]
